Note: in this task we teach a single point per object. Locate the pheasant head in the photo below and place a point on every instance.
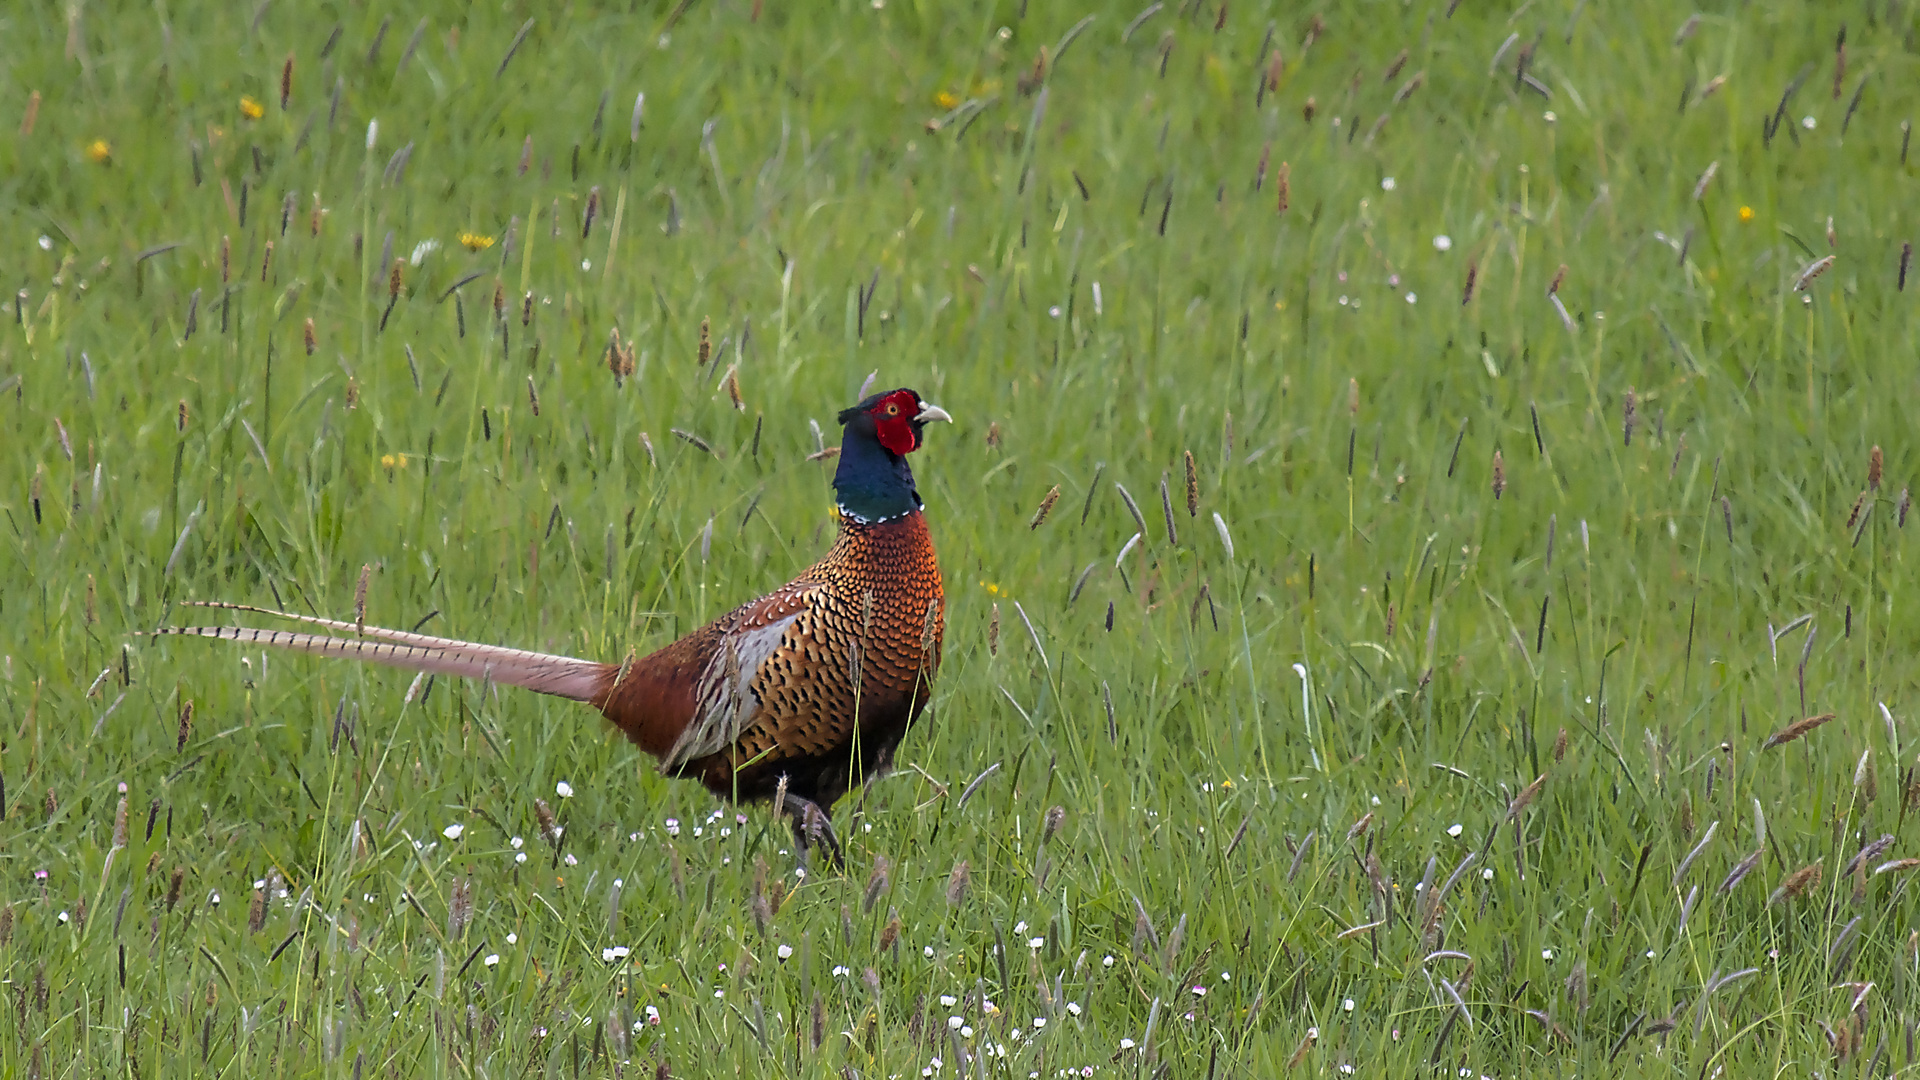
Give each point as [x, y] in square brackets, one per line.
[874, 482]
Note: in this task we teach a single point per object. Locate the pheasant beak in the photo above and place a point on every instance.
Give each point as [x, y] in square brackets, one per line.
[930, 412]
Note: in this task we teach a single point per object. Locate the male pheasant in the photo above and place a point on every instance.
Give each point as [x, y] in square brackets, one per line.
[796, 696]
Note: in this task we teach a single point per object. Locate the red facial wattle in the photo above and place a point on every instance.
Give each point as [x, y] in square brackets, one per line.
[893, 422]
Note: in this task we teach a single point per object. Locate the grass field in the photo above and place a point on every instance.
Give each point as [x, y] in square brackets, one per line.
[1436, 737]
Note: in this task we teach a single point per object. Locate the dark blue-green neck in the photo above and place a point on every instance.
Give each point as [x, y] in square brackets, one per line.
[873, 483]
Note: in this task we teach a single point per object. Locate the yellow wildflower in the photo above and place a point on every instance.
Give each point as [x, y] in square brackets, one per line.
[250, 108]
[99, 151]
[386, 461]
[946, 99]
[475, 242]
[1746, 213]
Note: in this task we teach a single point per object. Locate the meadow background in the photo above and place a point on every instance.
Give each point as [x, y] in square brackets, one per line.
[1531, 500]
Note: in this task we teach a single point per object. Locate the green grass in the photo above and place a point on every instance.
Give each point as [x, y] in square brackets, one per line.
[1093, 288]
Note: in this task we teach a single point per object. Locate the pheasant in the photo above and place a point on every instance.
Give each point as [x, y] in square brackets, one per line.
[792, 698]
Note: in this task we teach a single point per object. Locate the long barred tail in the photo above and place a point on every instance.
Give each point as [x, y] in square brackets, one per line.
[562, 676]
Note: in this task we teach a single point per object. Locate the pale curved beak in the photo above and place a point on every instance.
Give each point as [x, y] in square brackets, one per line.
[929, 413]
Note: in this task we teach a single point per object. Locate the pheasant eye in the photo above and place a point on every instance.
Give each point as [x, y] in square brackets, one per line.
[893, 410]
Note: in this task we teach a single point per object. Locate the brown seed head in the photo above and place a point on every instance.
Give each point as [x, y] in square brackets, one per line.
[877, 881]
[706, 343]
[1795, 730]
[174, 881]
[549, 829]
[1193, 487]
[1797, 883]
[593, 207]
[353, 393]
[957, 884]
[181, 422]
[1499, 475]
[1046, 507]
[313, 220]
[1874, 463]
[1307, 110]
[891, 933]
[1056, 816]
[1283, 183]
[226, 259]
[360, 598]
[993, 631]
[1276, 67]
[186, 730]
[733, 387]
[393, 279]
[1560, 746]
[1629, 409]
[1473, 271]
[308, 337]
[1559, 276]
[257, 911]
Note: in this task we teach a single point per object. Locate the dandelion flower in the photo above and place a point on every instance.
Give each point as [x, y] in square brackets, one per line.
[473, 241]
[250, 108]
[947, 99]
[1746, 214]
[100, 152]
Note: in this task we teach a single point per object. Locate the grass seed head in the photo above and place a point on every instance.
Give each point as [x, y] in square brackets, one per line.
[1629, 415]
[890, 933]
[593, 208]
[706, 342]
[174, 883]
[1193, 487]
[876, 882]
[993, 631]
[993, 435]
[1559, 276]
[226, 259]
[1166, 511]
[957, 884]
[1874, 463]
[733, 387]
[1796, 884]
[308, 338]
[120, 824]
[1307, 110]
[1276, 67]
[1283, 181]
[257, 911]
[1473, 272]
[1499, 475]
[186, 731]
[1393, 68]
[1795, 730]
[549, 829]
[1056, 815]
[1813, 270]
[1046, 507]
